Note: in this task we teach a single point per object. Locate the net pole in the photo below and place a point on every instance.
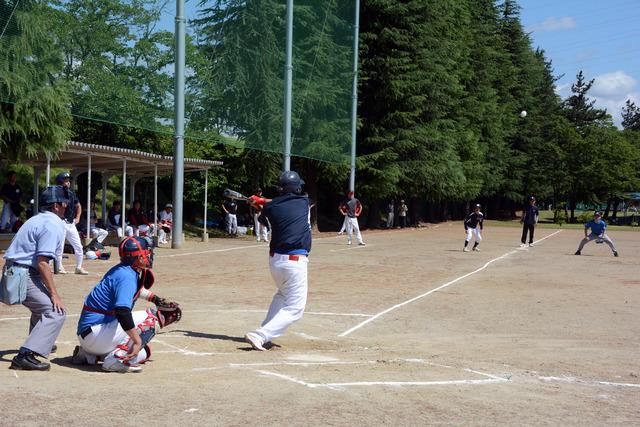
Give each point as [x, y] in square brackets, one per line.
[354, 97]
[178, 157]
[288, 81]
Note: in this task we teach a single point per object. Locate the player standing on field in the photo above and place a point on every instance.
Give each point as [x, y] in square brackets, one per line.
[529, 220]
[257, 202]
[473, 224]
[71, 218]
[598, 228]
[351, 209]
[230, 208]
[289, 216]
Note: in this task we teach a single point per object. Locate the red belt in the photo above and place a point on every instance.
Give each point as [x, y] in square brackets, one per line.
[291, 257]
[97, 310]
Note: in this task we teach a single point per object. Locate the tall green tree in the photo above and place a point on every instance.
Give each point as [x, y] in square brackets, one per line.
[34, 112]
[631, 116]
[580, 109]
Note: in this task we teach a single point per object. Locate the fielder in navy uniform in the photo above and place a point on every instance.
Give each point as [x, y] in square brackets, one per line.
[473, 225]
[35, 244]
[289, 249]
[107, 328]
[529, 220]
[598, 228]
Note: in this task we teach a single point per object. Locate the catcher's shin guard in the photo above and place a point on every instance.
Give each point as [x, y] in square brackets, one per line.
[147, 329]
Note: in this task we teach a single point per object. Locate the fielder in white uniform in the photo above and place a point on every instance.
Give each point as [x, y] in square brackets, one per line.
[108, 330]
[289, 250]
[166, 223]
[71, 217]
[351, 209]
[257, 202]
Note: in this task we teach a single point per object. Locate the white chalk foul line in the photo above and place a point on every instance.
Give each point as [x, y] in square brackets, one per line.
[310, 313]
[351, 248]
[382, 313]
[573, 380]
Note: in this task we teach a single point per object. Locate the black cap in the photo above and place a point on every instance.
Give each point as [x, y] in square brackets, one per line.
[60, 178]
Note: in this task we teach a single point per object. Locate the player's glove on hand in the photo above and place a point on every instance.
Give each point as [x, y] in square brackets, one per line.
[168, 311]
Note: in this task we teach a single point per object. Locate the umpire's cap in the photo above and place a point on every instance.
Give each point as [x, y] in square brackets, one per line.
[290, 182]
[62, 176]
[53, 194]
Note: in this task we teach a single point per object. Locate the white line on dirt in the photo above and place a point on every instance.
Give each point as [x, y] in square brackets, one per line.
[187, 352]
[380, 383]
[351, 247]
[382, 313]
[574, 380]
[310, 313]
[27, 318]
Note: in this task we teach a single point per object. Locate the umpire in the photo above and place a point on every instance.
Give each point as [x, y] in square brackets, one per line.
[32, 248]
[529, 220]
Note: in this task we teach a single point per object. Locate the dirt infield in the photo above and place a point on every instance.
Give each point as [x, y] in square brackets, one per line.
[408, 330]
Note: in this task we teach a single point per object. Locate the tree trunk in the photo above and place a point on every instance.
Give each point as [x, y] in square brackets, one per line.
[608, 208]
[572, 207]
[616, 202]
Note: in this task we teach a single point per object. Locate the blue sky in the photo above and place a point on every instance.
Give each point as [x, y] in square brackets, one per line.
[600, 37]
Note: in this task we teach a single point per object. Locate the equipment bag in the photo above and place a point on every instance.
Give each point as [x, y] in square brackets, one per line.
[13, 286]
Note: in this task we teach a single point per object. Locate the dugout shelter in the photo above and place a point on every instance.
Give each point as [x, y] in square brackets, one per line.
[132, 165]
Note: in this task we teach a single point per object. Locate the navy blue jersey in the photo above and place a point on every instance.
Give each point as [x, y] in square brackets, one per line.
[473, 219]
[289, 218]
[70, 212]
[530, 215]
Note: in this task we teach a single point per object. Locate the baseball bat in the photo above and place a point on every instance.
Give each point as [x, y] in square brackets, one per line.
[234, 195]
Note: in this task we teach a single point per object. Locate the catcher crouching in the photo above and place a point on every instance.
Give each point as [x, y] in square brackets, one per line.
[108, 330]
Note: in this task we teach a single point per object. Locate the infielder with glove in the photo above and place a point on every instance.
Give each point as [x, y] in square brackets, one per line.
[289, 216]
[473, 224]
[598, 227]
[108, 329]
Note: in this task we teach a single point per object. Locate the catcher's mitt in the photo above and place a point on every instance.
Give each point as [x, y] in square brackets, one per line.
[168, 311]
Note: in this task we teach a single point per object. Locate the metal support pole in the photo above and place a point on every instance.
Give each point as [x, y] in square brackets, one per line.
[88, 206]
[288, 82]
[36, 190]
[354, 97]
[178, 156]
[155, 204]
[205, 235]
[48, 170]
[123, 221]
[105, 181]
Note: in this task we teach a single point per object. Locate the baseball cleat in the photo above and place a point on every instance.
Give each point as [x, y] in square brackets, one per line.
[362, 244]
[477, 249]
[255, 341]
[522, 245]
[82, 271]
[465, 249]
[531, 244]
[578, 253]
[122, 368]
[28, 362]
[61, 270]
[615, 253]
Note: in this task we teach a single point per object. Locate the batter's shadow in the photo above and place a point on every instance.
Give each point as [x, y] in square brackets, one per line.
[205, 335]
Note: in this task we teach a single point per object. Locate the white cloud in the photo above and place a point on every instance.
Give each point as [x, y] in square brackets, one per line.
[613, 85]
[553, 24]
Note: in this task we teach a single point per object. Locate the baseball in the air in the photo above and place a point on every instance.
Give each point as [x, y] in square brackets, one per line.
[523, 114]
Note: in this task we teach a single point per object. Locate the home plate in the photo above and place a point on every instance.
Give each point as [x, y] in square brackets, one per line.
[311, 358]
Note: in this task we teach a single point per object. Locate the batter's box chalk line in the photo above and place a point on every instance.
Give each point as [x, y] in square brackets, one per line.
[489, 379]
[487, 264]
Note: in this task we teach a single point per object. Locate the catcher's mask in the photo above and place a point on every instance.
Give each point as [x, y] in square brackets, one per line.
[136, 252]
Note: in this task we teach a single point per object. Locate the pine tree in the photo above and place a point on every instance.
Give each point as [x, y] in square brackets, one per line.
[34, 112]
[631, 116]
[579, 108]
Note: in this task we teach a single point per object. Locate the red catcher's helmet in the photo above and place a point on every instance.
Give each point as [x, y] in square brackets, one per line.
[136, 252]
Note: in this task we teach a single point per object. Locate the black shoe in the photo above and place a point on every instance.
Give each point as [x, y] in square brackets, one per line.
[578, 253]
[615, 253]
[28, 362]
[54, 348]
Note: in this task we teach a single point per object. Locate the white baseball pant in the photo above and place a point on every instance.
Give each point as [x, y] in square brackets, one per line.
[108, 339]
[144, 230]
[290, 299]
[471, 232]
[99, 234]
[73, 238]
[592, 236]
[261, 231]
[353, 227]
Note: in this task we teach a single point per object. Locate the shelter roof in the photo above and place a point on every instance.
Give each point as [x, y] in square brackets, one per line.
[110, 159]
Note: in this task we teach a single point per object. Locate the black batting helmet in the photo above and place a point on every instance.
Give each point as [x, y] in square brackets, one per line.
[62, 176]
[290, 182]
[53, 194]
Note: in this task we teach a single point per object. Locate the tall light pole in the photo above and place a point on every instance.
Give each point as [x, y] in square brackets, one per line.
[288, 81]
[178, 156]
[354, 97]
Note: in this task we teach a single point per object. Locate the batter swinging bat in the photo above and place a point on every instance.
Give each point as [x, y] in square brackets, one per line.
[234, 195]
